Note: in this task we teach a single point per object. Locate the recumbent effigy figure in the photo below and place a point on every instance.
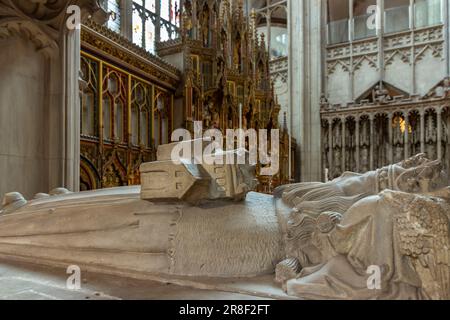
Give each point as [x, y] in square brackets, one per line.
[395, 219]
[191, 220]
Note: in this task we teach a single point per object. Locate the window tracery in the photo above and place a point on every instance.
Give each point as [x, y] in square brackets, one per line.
[155, 21]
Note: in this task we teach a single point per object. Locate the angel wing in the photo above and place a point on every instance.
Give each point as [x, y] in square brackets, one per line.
[423, 227]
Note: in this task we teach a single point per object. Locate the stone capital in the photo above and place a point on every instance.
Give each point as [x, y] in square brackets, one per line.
[43, 21]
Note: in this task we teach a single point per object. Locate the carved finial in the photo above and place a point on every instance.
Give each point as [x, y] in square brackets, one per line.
[324, 104]
[241, 6]
[263, 40]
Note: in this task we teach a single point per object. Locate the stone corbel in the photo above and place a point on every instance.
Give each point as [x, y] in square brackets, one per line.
[28, 31]
[41, 21]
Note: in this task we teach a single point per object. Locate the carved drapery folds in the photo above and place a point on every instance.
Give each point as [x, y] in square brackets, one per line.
[384, 134]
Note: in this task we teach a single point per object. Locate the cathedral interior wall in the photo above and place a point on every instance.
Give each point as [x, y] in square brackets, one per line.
[430, 69]
[23, 124]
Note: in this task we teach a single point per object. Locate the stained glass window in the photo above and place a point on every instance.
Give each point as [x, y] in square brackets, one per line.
[113, 7]
[155, 21]
[165, 9]
[150, 5]
[137, 28]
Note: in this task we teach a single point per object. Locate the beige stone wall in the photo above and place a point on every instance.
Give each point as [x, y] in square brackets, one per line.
[413, 61]
[23, 118]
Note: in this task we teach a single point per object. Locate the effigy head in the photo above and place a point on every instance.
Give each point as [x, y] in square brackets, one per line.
[415, 161]
[425, 178]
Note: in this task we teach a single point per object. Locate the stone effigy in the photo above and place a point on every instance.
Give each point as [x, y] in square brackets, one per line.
[394, 220]
[381, 235]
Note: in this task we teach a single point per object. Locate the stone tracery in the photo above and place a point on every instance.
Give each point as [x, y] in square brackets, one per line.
[377, 135]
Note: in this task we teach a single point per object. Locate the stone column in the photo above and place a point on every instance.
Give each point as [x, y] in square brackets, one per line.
[448, 139]
[357, 156]
[330, 145]
[158, 21]
[422, 131]
[305, 84]
[126, 21]
[380, 35]
[71, 120]
[439, 133]
[372, 142]
[269, 31]
[391, 135]
[446, 11]
[344, 148]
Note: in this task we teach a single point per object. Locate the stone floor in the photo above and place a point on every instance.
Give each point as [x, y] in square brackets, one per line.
[23, 281]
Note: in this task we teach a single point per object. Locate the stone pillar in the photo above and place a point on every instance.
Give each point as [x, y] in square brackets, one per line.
[158, 21]
[357, 156]
[344, 148]
[422, 131]
[305, 84]
[406, 135]
[372, 142]
[269, 31]
[126, 21]
[439, 133]
[71, 121]
[446, 14]
[448, 139]
[330, 145]
[391, 135]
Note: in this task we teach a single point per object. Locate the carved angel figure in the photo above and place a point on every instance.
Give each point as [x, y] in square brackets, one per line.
[403, 235]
